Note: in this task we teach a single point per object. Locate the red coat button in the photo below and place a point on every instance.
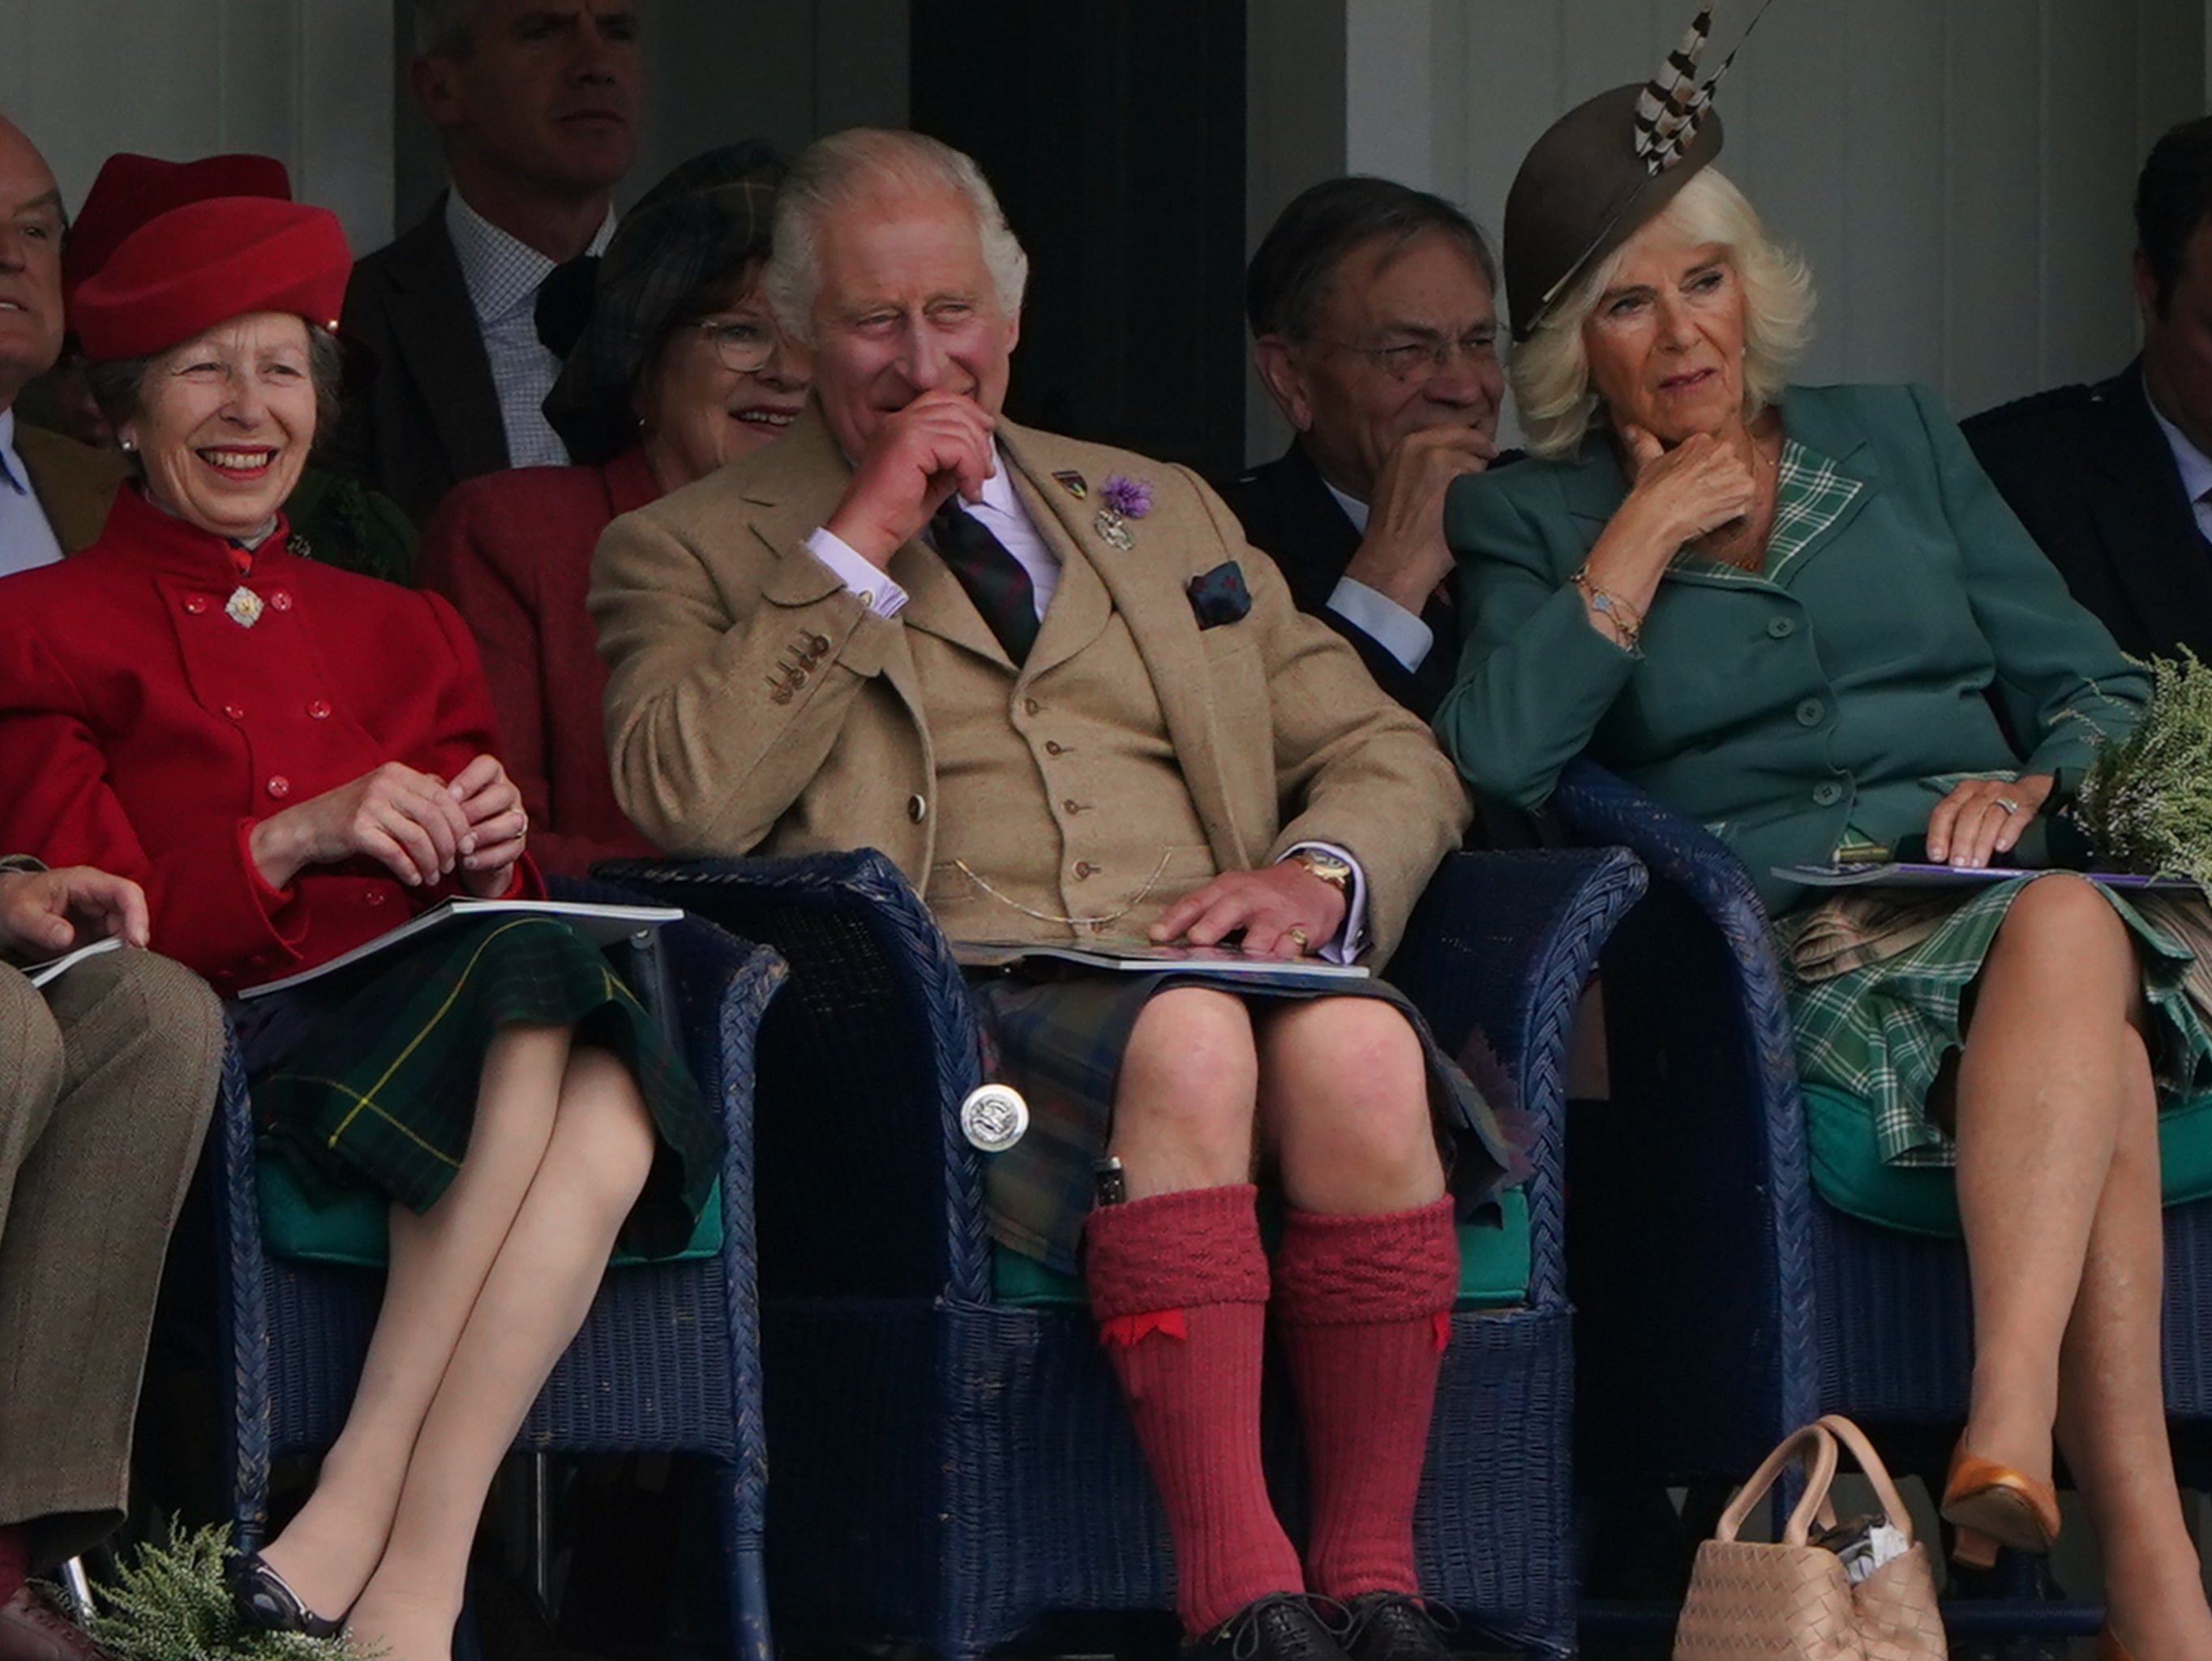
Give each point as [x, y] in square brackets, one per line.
[281, 599]
[195, 604]
[236, 712]
[376, 896]
[319, 710]
[280, 786]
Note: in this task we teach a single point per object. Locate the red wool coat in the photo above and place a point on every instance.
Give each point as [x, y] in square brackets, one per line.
[512, 551]
[145, 731]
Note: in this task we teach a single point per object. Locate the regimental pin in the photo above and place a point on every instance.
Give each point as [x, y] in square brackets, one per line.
[995, 1118]
[299, 547]
[1114, 529]
[1071, 482]
[243, 607]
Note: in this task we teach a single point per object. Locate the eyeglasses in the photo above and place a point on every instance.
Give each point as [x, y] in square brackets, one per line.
[743, 346]
[1419, 360]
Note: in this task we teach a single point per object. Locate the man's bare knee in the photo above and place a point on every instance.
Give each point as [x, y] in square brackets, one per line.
[1184, 1106]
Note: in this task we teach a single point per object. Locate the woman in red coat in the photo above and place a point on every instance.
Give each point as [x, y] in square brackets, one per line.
[291, 759]
[680, 367]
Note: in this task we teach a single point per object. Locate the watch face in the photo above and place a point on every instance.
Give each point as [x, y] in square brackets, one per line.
[1326, 866]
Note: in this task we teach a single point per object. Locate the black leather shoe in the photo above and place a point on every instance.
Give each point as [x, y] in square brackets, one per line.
[261, 1599]
[1394, 1626]
[1280, 1627]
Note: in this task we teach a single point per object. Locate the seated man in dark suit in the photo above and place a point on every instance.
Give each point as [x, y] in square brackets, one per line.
[536, 102]
[1376, 331]
[2113, 479]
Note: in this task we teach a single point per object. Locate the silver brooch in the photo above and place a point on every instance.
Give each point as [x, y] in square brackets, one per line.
[995, 1118]
[243, 607]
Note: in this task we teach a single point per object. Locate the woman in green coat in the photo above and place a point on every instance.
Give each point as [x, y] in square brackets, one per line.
[1802, 616]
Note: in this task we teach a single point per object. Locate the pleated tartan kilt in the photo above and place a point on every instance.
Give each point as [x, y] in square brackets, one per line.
[1058, 1037]
[370, 1076]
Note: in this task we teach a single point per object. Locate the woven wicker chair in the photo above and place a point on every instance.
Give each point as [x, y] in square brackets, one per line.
[950, 1469]
[668, 1359]
[1722, 1302]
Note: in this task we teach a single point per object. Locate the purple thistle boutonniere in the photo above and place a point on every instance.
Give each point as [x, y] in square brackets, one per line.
[1125, 499]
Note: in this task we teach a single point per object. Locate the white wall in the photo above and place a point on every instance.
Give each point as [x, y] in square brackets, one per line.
[307, 81]
[1959, 172]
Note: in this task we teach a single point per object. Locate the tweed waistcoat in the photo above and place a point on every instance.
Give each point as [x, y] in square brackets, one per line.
[1058, 787]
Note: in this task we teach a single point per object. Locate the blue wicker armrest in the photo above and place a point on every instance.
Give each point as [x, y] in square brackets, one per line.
[862, 1065]
[1503, 943]
[1709, 1146]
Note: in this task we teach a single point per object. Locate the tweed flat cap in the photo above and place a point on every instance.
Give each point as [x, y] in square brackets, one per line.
[698, 225]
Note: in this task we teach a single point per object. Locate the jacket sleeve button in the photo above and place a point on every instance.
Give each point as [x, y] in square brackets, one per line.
[917, 810]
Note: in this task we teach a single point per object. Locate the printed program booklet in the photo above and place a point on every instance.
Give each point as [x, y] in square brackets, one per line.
[1902, 874]
[1141, 956]
[605, 926]
[40, 973]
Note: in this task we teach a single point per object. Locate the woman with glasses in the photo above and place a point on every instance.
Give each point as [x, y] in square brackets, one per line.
[680, 368]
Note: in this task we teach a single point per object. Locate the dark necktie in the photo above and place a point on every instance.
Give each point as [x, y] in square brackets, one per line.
[564, 307]
[995, 579]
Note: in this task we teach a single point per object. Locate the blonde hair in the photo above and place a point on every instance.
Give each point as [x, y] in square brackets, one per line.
[833, 172]
[1550, 371]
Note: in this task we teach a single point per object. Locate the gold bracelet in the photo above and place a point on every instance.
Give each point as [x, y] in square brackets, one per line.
[1626, 620]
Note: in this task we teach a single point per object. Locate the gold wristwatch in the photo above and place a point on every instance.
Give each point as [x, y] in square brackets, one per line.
[1336, 872]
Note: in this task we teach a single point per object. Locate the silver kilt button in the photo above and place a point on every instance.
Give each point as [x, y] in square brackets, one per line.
[995, 1118]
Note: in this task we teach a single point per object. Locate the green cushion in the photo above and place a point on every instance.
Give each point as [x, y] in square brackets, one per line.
[1493, 1266]
[350, 1231]
[1848, 1170]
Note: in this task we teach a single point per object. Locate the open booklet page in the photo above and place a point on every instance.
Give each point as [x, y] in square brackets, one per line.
[605, 924]
[1138, 957]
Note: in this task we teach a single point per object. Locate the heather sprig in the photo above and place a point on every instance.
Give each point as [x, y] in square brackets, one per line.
[168, 1601]
[2146, 800]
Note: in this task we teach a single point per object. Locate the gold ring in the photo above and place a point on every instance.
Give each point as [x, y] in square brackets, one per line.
[2008, 804]
[1299, 935]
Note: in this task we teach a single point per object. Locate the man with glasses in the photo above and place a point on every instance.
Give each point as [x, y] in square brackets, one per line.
[1375, 332]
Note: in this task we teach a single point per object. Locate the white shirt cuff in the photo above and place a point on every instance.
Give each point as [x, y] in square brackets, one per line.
[871, 582]
[1352, 937]
[1383, 621]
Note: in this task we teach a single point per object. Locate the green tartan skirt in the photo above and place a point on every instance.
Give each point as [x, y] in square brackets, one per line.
[1057, 1036]
[1880, 1032]
[370, 1076]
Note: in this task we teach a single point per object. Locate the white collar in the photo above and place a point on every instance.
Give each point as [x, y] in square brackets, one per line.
[1354, 509]
[2195, 465]
[12, 470]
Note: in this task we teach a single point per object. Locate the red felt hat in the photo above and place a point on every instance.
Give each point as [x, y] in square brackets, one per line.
[195, 266]
[133, 189]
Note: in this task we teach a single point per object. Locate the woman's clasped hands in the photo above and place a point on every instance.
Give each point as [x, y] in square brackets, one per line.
[419, 826]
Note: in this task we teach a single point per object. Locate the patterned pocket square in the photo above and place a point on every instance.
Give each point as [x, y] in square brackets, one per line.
[1219, 596]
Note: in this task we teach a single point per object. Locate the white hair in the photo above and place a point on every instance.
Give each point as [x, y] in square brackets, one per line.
[832, 172]
[1550, 370]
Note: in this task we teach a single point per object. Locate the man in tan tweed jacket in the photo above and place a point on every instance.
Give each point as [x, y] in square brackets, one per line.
[1048, 680]
[106, 1079]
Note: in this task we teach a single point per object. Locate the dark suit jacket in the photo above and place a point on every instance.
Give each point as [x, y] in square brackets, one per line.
[430, 416]
[2091, 476]
[1288, 514]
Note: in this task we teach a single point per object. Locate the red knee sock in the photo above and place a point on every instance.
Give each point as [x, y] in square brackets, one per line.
[1179, 1286]
[14, 1560]
[1363, 1307]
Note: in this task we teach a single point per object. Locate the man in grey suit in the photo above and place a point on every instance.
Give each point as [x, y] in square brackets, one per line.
[107, 1076]
[537, 102]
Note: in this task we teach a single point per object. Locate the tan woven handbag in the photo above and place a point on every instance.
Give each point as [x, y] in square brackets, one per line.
[1795, 1601]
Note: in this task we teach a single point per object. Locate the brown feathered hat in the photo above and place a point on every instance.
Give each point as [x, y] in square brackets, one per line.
[1603, 171]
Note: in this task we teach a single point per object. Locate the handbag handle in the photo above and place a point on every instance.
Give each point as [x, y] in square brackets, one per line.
[1813, 1441]
[1870, 1466]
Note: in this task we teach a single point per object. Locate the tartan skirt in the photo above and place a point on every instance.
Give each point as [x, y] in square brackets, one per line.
[1880, 1032]
[1058, 1037]
[369, 1077]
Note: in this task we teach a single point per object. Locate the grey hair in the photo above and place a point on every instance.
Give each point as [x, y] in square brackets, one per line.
[118, 384]
[832, 172]
[442, 27]
[1550, 371]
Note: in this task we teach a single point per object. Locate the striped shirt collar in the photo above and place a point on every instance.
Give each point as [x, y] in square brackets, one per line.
[502, 272]
[13, 474]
